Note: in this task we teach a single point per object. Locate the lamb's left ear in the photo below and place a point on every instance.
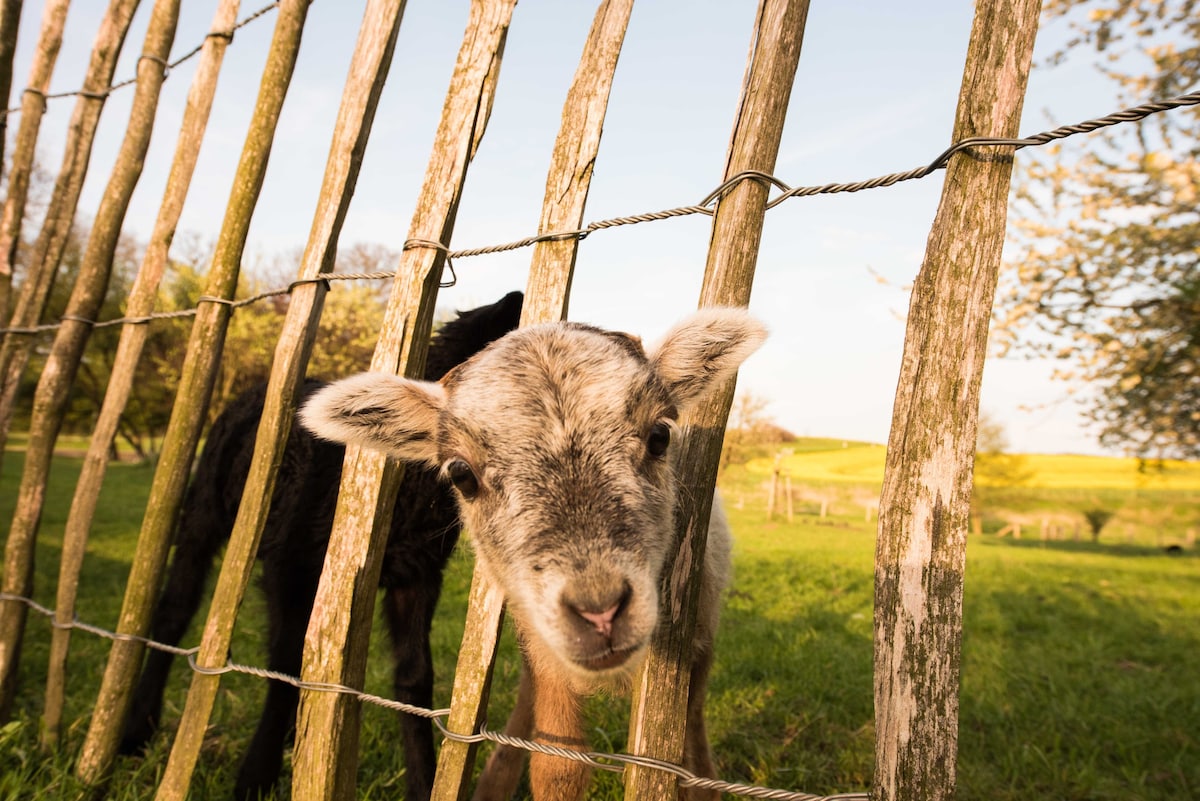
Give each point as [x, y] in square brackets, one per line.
[704, 350]
[379, 411]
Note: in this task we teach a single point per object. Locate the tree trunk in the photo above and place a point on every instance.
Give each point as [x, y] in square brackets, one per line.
[657, 720]
[129, 349]
[191, 402]
[925, 505]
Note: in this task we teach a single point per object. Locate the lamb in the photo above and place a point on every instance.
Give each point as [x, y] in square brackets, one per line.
[425, 528]
[557, 439]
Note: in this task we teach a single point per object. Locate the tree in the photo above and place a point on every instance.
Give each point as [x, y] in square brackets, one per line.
[1108, 240]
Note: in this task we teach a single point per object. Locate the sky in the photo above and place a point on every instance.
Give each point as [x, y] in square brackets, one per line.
[875, 93]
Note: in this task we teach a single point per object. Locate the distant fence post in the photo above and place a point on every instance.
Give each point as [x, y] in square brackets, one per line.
[660, 693]
[925, 504]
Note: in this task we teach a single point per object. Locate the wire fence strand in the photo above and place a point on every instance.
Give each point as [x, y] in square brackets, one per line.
[705, 206]
[597, 759]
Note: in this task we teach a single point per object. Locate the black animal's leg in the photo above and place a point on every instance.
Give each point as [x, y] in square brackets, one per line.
[182, 593]
[291, 584]
[409, 613]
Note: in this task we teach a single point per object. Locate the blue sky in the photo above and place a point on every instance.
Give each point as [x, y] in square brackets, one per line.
[875, 94]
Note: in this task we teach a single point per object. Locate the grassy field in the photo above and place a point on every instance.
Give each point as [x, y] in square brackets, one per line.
[1080, 677]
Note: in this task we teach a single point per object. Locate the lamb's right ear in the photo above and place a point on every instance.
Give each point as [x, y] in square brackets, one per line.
[379, 411]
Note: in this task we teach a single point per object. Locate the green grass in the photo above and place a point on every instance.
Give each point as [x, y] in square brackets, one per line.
[1080, 678]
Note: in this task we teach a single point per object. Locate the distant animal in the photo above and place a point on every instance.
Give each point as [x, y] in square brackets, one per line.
[425, 528]
[558, 440]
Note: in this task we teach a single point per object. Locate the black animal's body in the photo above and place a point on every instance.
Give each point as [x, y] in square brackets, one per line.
[424, 531]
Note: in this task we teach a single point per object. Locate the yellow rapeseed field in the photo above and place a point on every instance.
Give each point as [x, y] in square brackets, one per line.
[862, 463]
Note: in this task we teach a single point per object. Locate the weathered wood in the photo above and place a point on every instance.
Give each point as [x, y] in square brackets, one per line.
[548, 290]
[368, 71]
[191, 402]
[142, 298]
[924, 508]
[10, 23]
[325, 758]
[472, 684]
[18, 557]
[657, 720]
[33, 106]
[60, 212]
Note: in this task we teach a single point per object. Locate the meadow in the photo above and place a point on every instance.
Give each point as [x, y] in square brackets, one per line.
[1080, 678]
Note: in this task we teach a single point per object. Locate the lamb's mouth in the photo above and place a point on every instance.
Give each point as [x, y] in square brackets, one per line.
[608, 660]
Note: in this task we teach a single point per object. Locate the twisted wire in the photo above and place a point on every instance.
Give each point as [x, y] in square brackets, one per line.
[614, 763]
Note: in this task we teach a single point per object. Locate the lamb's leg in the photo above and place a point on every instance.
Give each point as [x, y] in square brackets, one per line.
[409, 614]
[697, 755]
[502, 773]
[557, 720]
[290, 582]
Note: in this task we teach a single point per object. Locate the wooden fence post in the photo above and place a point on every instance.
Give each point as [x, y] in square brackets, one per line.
[60, 212]
[33, 107]
[656, 725]
[142, 299]
[326, 754]
[925, 504]
[10, 23]
[66, 353]
[18, 559]
[368, 71]
[191, 403]
[547, 296]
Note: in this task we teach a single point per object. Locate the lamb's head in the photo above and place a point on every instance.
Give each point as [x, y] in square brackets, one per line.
[558, 440]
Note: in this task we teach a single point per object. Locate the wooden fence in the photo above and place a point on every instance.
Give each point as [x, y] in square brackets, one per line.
[923, 514]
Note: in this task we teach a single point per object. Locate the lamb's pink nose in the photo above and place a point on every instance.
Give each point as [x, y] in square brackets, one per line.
[601, 620]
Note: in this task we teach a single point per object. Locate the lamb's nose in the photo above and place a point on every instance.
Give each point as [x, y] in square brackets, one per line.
[601, 609]
[601, 620]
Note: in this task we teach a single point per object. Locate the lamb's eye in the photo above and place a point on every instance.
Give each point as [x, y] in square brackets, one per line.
[463, 477]
[658, 439]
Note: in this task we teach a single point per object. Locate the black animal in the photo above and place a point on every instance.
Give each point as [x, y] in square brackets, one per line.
[425, 528]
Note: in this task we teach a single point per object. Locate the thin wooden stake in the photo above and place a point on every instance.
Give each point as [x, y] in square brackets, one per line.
[326, 754]
[656, 726]
[60, 213]
[923, 515]
[33, 107]
[142, 300]
[368, 71]
[18, 552]
[191, 403]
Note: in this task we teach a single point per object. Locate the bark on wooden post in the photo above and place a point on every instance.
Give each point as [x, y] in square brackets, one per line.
[10, 23]
[33, 107]
[368, 71]
[18, 560]
[48, 250]
[142, 298]
[91, 284]
[925, 505]
[546, 297]
[548, 291]
[656, 725]
[326, 754]
[191, 402]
